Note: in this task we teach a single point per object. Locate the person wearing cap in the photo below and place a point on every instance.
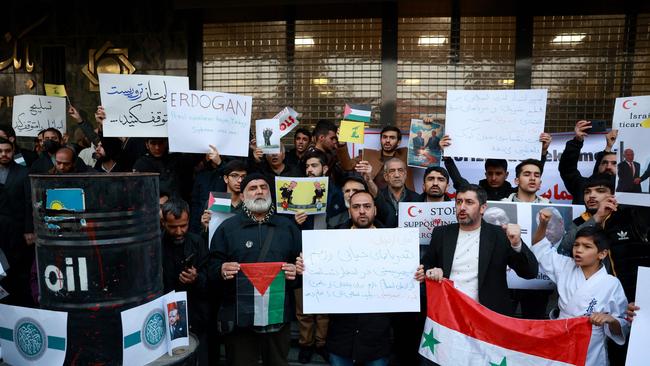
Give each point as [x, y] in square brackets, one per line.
[256, 234]
[352, 183]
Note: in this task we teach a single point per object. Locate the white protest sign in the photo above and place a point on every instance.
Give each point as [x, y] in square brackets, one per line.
[525, 215]
[632, 119]
[500, 124]
[360, 271]
[425, 216]
[288, 120]
[201, 118]
[136, 105]
[34, 113]
[267, 135]
[144, 333]
[638, 352]
[33, 336]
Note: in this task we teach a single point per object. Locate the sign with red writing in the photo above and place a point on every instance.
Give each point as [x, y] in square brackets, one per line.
[288, 120]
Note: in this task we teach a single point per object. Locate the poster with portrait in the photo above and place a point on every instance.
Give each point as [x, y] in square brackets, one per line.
[177, 320]
[308, 195]
[632, 119]
[424, 143]
[526, 215]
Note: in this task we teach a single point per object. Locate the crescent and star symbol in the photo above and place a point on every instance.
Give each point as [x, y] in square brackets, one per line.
[625, 104]
[410, 213]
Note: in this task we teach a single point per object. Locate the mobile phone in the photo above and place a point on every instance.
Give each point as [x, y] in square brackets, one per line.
[189, 261]
[598, 125]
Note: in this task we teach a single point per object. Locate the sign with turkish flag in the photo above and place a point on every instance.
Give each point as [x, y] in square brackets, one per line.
[425, 216]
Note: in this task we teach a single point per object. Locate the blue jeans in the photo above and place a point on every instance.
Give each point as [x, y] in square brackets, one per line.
[344, 361]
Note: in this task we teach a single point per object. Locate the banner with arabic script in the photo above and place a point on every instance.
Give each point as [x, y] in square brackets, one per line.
[136, 105]
[34, 113]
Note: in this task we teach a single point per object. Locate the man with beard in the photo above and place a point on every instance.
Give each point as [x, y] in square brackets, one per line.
[388, 198]
[436, 180]
[107, 153]
[15, 238]
[475, 255]
[254, 235]
[301, 140]
[351, 184]
[362, 339]
[528, 180]
[22, 157]
[184, 256]
[52, 142]
[605, 161]
[390, 138]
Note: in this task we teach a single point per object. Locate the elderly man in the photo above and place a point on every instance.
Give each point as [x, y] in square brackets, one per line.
[388, 199]
[254, 235]
[628, 173]
[475, 254]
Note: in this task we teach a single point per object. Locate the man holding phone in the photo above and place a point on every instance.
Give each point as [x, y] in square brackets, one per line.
[184, 256]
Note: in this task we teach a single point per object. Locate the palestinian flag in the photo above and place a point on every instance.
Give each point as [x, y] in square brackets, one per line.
[219, 202]
[355, 112]
[260, 294]
[459, 331]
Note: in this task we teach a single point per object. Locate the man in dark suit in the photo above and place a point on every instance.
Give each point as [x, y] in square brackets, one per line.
[15, 238]
[454, 250]
[628, 172]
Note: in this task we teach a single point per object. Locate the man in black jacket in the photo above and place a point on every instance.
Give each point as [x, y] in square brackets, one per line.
[254, 235]
[22, 156]
[475, 254]
[362, 338]
[52, 142]
[16, 239]
[605, 161]
[184, 260]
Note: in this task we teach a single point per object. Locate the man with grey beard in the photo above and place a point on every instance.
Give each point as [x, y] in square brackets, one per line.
[254, 235]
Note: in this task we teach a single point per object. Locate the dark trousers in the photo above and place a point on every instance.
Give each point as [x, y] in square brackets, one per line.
[244, 347]
[407, 332]
[533, 302]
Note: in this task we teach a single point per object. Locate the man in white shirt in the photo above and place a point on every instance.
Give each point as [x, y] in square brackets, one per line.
[475, 254]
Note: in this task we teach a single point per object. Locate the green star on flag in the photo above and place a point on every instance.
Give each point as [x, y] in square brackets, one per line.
[429, 341]
[502, 363]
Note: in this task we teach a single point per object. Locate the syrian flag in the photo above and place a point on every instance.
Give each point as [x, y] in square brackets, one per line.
[459, 331]
[219, 202]
[356, 112]
[32, 336]
[260, 294]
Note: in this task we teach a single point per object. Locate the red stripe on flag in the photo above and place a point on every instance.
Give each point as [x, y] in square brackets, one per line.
[261, 274]
[564, 340]
[347, 110]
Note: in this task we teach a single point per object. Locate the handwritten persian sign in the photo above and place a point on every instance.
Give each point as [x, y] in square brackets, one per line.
[360, 271]
[201, 118]
[34, 113]
[136, 105]
[500, 124]
[425, 216]
[632, 119]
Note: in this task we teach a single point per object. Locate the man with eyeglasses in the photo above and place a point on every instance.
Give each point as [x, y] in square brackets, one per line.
[388, 198]
[226, 178]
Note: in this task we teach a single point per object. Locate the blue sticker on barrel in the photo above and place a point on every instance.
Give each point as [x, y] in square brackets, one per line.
[65, 199]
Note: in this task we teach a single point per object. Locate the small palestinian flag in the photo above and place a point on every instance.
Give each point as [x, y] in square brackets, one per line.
[219, 202]
[356, 112]
[260, 294]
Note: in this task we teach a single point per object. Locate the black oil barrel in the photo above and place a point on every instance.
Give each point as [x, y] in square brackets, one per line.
[98, 253]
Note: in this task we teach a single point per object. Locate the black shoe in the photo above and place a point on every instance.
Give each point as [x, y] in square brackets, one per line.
[321, 351]
[304, 356]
